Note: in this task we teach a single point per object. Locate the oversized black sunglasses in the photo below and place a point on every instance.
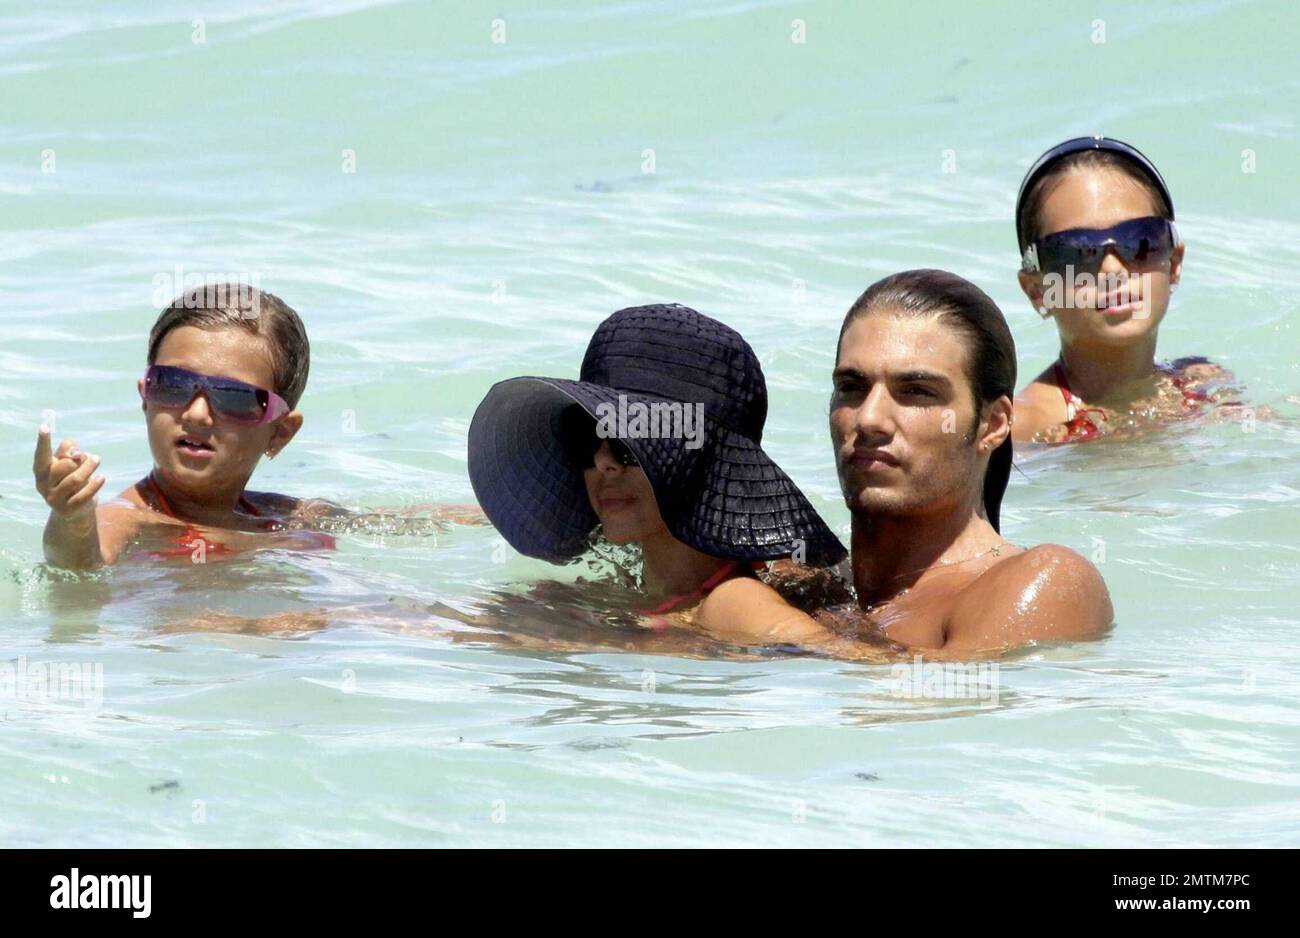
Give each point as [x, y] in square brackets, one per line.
[581, 442]
[1141, 243]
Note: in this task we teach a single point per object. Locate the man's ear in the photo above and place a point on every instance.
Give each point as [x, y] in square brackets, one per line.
[286, 428]
[139, 386]
[996, 425]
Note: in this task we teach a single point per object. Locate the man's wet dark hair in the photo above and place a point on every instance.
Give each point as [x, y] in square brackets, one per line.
[991, 362]
[257, 313]
[1031, 207]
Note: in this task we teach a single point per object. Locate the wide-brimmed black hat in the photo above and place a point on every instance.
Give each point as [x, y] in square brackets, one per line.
[717, 491]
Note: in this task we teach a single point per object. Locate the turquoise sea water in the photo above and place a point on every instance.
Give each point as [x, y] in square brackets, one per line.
[446, 210]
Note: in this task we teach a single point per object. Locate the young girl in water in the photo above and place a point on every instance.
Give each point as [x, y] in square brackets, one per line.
[1100, 256]
[226, 367]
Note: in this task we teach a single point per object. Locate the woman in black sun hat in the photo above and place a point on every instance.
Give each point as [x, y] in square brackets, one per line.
[658, 444]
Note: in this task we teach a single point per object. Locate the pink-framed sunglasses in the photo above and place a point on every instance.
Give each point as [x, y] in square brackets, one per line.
[171, 387]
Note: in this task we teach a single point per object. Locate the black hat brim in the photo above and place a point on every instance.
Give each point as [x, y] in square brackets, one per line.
[728, 499]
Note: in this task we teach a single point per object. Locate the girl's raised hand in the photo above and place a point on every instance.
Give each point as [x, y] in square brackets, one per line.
[66, 478]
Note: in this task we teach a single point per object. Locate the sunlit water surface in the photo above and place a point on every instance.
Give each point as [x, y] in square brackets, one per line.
[506, 197]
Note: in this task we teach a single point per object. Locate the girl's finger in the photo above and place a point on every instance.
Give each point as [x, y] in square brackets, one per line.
[41, 461]
[74, 480]
[59, 471]
[87, 493]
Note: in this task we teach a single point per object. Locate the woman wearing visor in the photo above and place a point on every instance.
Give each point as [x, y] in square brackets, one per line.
[1100, 256]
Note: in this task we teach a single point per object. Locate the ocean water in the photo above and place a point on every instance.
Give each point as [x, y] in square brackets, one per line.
[454, 193]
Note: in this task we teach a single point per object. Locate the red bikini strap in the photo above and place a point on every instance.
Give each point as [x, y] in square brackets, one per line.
[159, 497]
[714, 579]
[1062, 384]
[718, 576]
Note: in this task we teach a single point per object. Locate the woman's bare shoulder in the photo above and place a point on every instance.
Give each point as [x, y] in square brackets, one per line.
[1037, 408]
[1199, 368]
[747, 610]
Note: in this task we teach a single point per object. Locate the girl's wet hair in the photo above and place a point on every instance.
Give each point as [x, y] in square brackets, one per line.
[991, 351]
[261, 314]
[1031, 207]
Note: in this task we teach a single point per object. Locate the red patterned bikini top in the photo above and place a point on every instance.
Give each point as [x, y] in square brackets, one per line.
[1192, 397]
[1079, 426]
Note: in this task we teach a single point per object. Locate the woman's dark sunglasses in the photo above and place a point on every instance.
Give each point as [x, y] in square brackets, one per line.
[1141, 243]
[581, 443]
[167, 386]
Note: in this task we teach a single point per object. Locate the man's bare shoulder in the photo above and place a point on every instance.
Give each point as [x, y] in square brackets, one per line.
[1038, 573]
[1048, 592]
